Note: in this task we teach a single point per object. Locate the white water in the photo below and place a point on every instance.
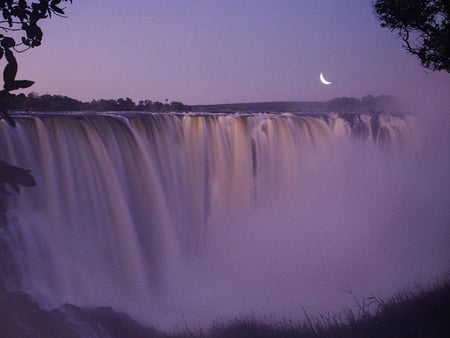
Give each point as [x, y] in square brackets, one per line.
[202, 217]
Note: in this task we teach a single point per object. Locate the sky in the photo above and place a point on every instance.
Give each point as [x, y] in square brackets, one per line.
[213, 51]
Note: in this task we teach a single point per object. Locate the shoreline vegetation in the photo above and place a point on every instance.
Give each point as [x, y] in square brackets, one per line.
[423, 312]
[57, 103]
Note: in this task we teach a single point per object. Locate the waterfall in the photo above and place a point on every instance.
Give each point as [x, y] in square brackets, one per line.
[138, 211]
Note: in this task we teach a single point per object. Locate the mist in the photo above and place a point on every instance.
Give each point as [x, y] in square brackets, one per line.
[359, 217]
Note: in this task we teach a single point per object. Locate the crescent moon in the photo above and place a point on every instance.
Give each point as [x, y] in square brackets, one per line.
[322, 79]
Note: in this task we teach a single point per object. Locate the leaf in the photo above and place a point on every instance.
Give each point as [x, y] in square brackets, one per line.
[22, 4]
[18, 84]
[25, 41]
[57, 9]
[8, 42]
[23, 83]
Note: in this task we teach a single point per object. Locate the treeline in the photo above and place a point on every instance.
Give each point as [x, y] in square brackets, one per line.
[58, 103]
[368, 103]
[35, 102]
[365, 104]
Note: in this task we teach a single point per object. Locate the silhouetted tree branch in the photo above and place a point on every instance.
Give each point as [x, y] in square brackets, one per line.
[24, 16]
[19, 16]
[423, 25]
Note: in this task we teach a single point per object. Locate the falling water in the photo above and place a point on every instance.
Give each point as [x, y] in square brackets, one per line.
[199, 217]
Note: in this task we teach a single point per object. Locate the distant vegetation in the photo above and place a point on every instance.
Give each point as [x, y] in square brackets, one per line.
[58, 103]
[366, 104]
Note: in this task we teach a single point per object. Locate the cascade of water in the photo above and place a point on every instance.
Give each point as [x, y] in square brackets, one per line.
[126, 202]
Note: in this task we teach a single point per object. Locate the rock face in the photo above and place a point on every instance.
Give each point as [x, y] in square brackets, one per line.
[21, 316]
[9, 275]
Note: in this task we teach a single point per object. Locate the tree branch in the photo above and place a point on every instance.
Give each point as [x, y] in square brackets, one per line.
[406, 41]
[20, 51]
[8, 29]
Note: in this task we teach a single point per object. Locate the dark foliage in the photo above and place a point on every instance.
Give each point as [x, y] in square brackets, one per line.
[128, 105]
[424, 27]
[11, 179]
[412, 314]
[24, 16]
[366, 104]
[58, 103]
[21, 19]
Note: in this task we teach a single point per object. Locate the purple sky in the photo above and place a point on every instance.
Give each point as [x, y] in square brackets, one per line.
[211, 51]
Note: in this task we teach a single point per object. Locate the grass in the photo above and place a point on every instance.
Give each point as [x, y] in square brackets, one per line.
[421, 313]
